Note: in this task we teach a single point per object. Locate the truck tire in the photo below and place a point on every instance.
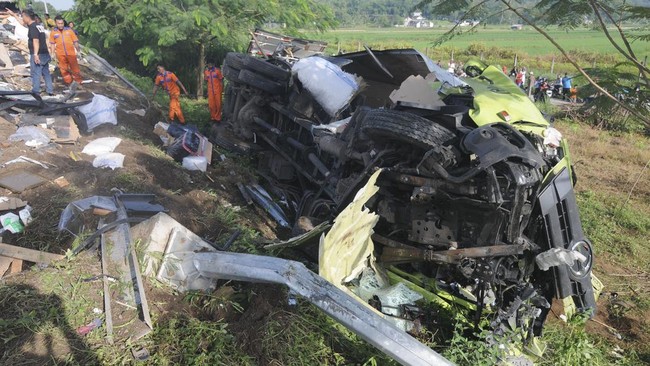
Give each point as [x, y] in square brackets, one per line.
[234, 60]
[231, 74]
[260, 82]
[265, 68]
[384, 125]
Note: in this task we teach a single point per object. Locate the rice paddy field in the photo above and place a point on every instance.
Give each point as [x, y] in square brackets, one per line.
[497, 44]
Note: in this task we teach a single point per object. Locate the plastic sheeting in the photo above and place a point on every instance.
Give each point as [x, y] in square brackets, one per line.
[32, 135]
[100, 111]
[332, 87]
[69, 217]
[557, 257]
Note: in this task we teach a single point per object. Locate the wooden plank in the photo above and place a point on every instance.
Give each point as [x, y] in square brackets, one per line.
[5, 263]
[16, 266]
[29, 255]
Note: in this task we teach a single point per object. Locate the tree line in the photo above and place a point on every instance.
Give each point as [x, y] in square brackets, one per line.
[184, 34]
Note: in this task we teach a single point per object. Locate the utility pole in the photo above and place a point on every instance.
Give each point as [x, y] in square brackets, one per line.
[553, 65]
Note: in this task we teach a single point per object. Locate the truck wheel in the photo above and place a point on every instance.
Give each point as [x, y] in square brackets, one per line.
[265, 68]
[234, 60]
[260, 82]
[230, 74]
[389, 125]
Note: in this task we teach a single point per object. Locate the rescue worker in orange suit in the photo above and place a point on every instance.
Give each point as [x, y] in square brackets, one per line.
[214, 79]
[65, 45]
[168, 81]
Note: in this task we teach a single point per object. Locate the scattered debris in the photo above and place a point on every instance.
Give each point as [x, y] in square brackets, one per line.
[24, 159]
[85, 329]
[140, 204]
[11, 203]
[102, 148]
[71, 217]
[102, 145]
[140, 355]
[66, 131]
[301, 239]
[195, 163]
[5, 264]
[262, 198]
[244, 193]
[183, 141]
[137, 112]
[109, 160]
[160, 129]
[61, 182]
[11, 222]
[557, 257]
[119, 258]
[99, 111]
[170, 248]
[32, 135]
[29, 255]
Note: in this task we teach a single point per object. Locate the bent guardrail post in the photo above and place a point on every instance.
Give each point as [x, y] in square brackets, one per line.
[345, 309]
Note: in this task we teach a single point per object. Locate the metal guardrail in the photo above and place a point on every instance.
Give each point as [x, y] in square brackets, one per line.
[333, 301]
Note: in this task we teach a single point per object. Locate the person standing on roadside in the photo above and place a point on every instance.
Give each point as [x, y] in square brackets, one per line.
[214, 78]
[168, 81]
[49, 22]
[71, 26]
[65, 45]
[566, 85]
[39, 57]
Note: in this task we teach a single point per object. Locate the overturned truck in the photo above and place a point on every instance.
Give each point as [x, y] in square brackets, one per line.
[476, 190]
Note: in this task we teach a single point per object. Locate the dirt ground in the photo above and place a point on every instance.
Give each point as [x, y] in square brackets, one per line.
[193, 198]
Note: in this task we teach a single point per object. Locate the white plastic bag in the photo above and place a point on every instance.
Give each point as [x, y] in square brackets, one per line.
[32, 135]
[101, 146]
[195, 163]
[11, 222]
[25, 215]
[332, 87]
[110, 160]
[101, 110]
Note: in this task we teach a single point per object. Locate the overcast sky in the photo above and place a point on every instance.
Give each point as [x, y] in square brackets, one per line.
[60, 4]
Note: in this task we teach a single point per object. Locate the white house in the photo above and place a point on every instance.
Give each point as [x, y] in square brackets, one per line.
[416, 20]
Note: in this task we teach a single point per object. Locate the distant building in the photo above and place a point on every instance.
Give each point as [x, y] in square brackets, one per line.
[416, 20]
[468, 23]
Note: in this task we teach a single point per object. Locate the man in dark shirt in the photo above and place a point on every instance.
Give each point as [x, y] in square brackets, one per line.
[39, 57]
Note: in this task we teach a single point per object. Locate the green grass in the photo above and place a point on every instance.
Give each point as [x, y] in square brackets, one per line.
[195, 110]
[498, 44]
[527, 40]
[185, 340]
[620, 231]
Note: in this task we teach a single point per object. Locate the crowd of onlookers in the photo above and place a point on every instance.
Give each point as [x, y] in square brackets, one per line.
[562, 87]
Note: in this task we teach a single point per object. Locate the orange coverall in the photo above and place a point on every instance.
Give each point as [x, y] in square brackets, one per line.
[215, 87]
[167, 81]
[64, 42]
